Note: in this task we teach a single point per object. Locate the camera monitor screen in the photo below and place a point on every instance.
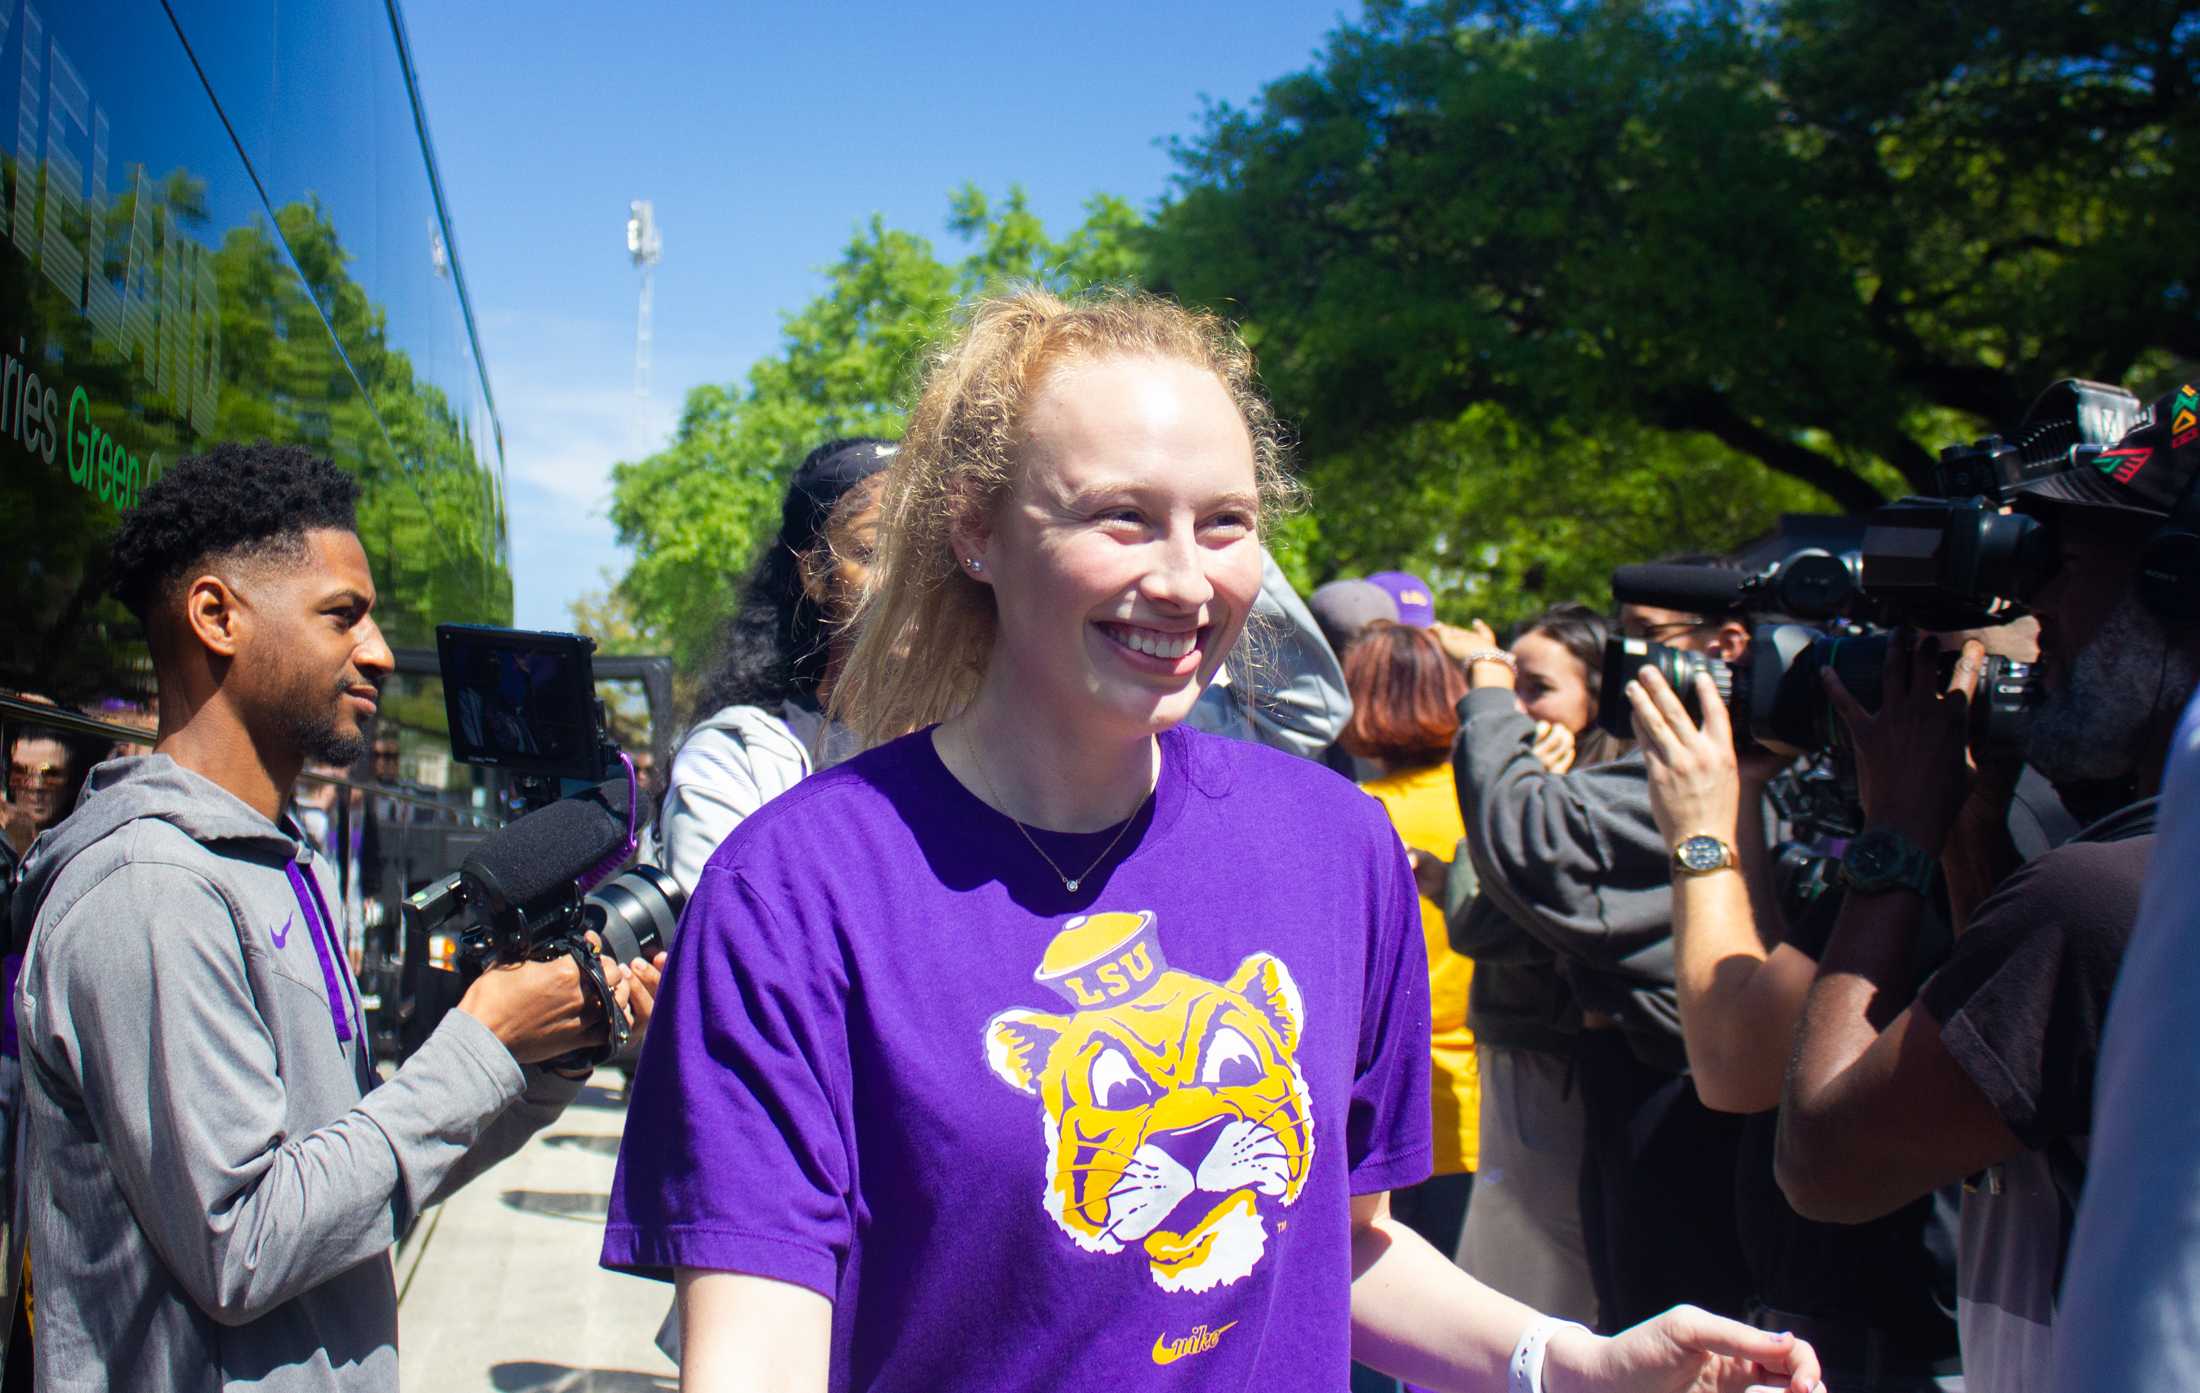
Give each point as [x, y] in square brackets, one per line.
[521, 700]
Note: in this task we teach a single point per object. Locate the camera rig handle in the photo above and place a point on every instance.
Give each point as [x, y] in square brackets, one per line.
[616, 1029]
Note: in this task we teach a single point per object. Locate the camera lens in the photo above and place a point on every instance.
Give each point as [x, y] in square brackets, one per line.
[1792, 713]
[1626, 657]
[635, 914]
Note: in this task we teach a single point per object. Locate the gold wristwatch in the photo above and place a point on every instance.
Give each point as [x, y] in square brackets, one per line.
[1701, 855]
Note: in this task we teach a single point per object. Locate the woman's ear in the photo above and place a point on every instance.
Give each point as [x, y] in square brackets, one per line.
[971, 537]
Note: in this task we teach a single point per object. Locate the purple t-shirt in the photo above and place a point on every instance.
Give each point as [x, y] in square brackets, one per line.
[1020, 1136]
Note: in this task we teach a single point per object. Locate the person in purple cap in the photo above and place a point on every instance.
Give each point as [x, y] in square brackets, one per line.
[1416, 603]
[1048, 1042]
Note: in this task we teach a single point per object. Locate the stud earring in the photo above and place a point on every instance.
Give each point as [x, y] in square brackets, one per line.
[974, 564]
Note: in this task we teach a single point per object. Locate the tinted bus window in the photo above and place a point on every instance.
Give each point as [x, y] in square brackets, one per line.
[169, 277]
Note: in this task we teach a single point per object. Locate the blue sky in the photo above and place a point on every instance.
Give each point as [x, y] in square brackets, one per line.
[766, 135]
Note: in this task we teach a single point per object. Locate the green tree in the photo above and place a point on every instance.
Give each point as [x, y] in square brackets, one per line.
[696, 511]
[607, 616]
[1821, 233]
[1503, 520]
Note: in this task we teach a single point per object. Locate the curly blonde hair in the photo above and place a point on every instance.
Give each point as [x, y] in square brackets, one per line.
[924, 632]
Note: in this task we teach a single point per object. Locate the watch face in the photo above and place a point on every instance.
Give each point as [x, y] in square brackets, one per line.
[1701, 853]
[1873, 855]
[1882, 859]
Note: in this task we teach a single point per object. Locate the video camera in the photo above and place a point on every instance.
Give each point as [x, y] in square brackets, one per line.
[525, 702]
[1945, 563]
[1774, 696]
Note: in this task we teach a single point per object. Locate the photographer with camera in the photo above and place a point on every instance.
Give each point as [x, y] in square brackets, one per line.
[1871, 1297]
[213, 1175]
[1986, 1076]
[1576, 863]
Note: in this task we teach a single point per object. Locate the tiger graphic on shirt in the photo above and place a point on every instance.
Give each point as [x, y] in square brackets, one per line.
[1174, 1112]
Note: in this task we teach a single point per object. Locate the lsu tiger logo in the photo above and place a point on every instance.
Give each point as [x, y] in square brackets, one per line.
[1174, 1113]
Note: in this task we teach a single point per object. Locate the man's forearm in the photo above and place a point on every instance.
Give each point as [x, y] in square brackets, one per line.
[1980, 854]
[1753, 848]
[1736, 1032]
[1863, 983]
[540, 1103]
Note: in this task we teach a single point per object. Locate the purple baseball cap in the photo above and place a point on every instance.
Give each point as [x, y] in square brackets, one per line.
[1416, 604]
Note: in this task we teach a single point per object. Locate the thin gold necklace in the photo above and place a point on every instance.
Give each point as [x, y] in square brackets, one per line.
[1069, 882]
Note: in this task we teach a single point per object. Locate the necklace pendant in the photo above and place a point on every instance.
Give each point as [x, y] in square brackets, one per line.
[1070, 885]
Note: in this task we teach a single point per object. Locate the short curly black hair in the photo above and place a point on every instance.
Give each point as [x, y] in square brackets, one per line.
[234, 500]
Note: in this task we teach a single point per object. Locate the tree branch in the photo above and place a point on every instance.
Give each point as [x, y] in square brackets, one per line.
[1702, 409]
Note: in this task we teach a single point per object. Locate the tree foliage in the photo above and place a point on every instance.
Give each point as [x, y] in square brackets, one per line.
[1549, 285]
[696, 511]
[1810, 229]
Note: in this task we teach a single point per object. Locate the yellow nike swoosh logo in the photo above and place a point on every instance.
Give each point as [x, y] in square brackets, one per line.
[1168, 1351]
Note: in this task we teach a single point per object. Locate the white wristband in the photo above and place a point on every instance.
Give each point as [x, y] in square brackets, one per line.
[1493, 655]
[1525, 1372]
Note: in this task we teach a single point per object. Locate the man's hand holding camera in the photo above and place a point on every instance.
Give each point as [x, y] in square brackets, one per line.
[541, 1011]
[1913, 767]
[1695, 786]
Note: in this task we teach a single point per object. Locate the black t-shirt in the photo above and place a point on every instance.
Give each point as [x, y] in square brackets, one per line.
[2022, 998]
[1895, 1273]
[2020, 1004]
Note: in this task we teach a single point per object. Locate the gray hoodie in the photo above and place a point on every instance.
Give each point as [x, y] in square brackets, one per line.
[211, 1173]
[1575, 862]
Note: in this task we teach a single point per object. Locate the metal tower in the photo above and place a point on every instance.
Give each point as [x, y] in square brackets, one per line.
[647, 249]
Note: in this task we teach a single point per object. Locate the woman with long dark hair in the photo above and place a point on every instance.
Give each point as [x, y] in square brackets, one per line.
[1525, 1234]
[1559, 673]
[760, 726]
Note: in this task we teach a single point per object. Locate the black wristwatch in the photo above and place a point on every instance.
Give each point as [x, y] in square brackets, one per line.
[1882, 859]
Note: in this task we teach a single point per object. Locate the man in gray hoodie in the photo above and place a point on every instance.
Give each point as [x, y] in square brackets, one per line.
[211, 1175]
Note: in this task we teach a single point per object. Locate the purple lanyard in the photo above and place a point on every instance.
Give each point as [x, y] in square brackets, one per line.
[308, 892]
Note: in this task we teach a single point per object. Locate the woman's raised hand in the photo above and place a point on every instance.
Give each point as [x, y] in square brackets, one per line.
[1554, 746]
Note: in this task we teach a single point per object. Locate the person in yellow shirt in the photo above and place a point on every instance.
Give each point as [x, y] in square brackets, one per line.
[1404, 688]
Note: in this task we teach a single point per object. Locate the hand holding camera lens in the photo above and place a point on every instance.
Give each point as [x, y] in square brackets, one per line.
[542, 1010]
[1913, 768]
[1695, 787]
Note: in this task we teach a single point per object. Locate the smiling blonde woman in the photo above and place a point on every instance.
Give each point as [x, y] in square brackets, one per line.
[1050, 1043]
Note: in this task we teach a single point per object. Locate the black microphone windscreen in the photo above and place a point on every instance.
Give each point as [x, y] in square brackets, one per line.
[1706, 590]
[550, 847]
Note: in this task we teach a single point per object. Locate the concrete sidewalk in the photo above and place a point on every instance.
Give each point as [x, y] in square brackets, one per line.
[499, 1288]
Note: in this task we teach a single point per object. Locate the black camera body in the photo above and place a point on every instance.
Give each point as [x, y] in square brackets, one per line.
[1953, 563]
[547, 883]
[1944, 563]
[1775, 697]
